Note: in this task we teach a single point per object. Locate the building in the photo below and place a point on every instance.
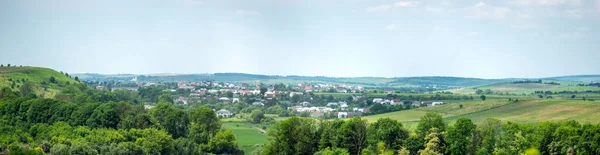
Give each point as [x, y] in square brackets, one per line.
[258, 103]
[148, 107]
[305, 103]
[396, 102]
[344, 106]
[377, 100]
[295, 93]
[436, 103]
[224, 113]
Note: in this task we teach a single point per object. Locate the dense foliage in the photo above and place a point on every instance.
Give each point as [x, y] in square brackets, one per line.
[86, 121]
[432, 136]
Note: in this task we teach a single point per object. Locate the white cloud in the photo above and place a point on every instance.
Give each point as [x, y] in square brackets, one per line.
[472, 34]
[483, 10]
[406, 4]
[436, 28]
[380, 8]
[577, 34]
[433, 9]
[242, 12]
[386, 7]
[545, 2]
[391, 27]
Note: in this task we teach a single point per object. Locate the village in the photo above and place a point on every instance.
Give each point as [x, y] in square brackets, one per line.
[308, 100]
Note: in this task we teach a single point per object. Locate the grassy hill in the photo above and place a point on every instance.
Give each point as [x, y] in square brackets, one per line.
[527, 88]
[39, 77]
[526, 111]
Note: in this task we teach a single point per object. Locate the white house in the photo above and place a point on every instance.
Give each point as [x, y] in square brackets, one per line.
[377, 100]
[344, 106]
[224, 113]
[436, 103]
[332, 104]
[295, 93]
[342, 115]
[235, 100]
[148, 106]
[305, 103]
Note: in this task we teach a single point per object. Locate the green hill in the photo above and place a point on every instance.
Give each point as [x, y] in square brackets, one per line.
[39, 78]
[525, 111]
[527, 88]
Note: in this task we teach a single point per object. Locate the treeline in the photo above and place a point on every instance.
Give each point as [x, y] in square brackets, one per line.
[432, 136]
[548, 92]
[527, 81]
[101, 123]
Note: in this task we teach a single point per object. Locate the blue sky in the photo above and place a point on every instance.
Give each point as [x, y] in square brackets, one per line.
[350, 38]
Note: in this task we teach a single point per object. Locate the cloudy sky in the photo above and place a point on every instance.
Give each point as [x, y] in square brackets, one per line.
[349, 38]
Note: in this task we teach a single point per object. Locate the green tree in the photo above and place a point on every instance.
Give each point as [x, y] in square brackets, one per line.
[483, 97]
[489, 133]
[256, 116]
[389, 132]
[263, 90]
[224, 143]
[354, 133]
[334, 151]
[166, 97]
[81, 149]
[435, 143]
[459, 135]
[205, 124]
[174, 120]
[104, 116]
[76, 78]
[573, 96]
[429, 121]
[292, 136]
[52, 79]
[60, 149]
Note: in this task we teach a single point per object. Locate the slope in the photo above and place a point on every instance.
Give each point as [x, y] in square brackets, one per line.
[37, 76]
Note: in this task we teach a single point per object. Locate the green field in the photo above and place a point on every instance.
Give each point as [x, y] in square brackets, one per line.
[35, 75]
[528, 88]
[524, 111]
[249, 137]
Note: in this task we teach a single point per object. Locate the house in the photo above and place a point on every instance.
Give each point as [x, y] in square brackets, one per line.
[148, 107]
[295, 93]
[436, 103]
[416, 103]
[235, 100]
[224, 113]
[308, 88]
[181, 100]
[377, 100]
[342, 114]
[427, 103]
[361, 110]
[396, 102]
[305, 103]
[316, 114]
[269, 94]
[356, 98]
[100, 87]
[258, 103]
[224, 99]
[330, 104]
[387, 102]
[344, 106]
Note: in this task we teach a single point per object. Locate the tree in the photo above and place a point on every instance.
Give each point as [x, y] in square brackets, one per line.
[52, 79]
[334, 151]
[479, 91]
[8, 65]
[174, 120]
[27, 89]
[263, 90]
[166, 97]
[224, 143]
[573, 96]
[429, 121]
[387, 131]
[483, 97]
[76, 78]
[81, 149]
[104, 116]
[59, 149]
[489, 133]
[460, 106]
[205, 124]
[459, 135]
[293, 136]
[435, 143]
[257, 115]
[354, 133]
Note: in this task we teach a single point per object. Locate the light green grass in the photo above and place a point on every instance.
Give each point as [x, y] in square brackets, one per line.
[528, 88]
[248, 136]
[35, 75]
[525, 111]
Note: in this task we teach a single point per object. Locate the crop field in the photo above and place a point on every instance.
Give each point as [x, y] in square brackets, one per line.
[524, 111]
[528, 88]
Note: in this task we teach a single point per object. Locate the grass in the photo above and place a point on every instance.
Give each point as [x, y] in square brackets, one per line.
[248, 136]
[528, 88]
[525, 111]
[35, 75]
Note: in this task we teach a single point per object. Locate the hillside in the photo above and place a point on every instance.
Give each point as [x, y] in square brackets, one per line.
[525, 111]
[37, 76]
[527, 88]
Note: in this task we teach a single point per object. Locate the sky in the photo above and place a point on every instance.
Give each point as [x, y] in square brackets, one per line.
[345, 38]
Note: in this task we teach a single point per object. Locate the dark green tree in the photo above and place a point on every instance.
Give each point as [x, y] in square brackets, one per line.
[459, 135]
[174, 120]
